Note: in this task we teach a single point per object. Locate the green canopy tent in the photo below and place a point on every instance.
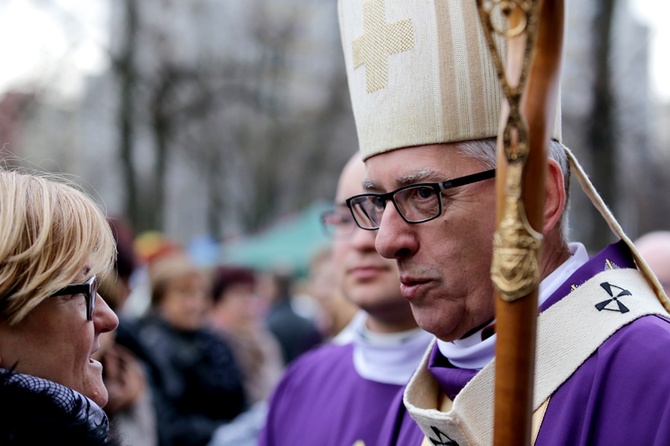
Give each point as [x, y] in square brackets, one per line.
[288, 244]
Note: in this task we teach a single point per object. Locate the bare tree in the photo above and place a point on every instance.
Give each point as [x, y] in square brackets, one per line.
[259, 148]
[601, 129]
[124, 68]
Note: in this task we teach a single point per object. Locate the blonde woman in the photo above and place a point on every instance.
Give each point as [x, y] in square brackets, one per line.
[55, 244]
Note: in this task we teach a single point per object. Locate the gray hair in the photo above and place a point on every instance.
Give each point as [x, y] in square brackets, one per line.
[485, 151]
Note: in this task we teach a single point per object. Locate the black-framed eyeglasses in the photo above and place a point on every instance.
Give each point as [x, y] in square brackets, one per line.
[89, 289]
[416, 203]
[338, 223]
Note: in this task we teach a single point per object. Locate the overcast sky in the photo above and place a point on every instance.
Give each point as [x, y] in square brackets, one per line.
[656, 13]
[35, 46]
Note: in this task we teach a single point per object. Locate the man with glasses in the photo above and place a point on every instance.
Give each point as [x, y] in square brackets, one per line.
[340, 393]
[426, 102]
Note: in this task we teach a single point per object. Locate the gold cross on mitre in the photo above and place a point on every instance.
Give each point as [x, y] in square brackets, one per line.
[379, 41]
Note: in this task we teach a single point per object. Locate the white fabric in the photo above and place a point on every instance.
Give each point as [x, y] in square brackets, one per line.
[473, 353]
[346, 335]
[388, 358]
[470, 352]
[578, 257]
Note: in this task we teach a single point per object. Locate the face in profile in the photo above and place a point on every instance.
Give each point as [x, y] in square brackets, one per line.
[444, 264]
[367, 279]
[55, 341]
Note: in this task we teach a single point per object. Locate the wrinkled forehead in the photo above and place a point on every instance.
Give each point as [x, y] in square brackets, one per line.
[402, 167]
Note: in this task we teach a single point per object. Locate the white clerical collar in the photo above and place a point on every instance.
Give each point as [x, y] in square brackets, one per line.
[474, 353]
[388, 358]
[347, 334]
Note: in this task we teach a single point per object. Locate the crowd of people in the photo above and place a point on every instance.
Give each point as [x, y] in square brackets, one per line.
[206, 353]
[403, 351]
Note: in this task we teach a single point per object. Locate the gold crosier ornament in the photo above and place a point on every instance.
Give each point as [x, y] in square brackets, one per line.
[515, 269]
[530, 80]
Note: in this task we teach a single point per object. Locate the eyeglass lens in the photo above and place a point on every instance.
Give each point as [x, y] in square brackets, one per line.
[416, 204]
[90, 291]
[338, 223]
[91, 297]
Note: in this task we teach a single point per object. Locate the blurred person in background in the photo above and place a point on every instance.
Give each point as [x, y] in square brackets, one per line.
[238, 314]
[120, 285]
[296, 334]
[654, 247]
[336, 311]
[201, 384]
[131, 403]
[55, 244]
[339, 394]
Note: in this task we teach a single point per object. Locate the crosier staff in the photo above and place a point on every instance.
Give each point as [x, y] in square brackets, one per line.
[533, 30]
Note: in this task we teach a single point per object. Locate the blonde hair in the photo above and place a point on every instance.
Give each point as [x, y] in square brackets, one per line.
[49, 231]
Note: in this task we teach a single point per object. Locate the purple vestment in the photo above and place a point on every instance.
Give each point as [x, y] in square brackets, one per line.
[619, 396]
[322, 401]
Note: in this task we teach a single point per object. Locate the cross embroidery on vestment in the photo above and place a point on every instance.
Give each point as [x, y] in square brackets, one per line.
[609, 303]
[380, 40]
[442, 438]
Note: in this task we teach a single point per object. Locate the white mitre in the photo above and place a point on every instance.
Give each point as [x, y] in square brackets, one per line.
[419, 73]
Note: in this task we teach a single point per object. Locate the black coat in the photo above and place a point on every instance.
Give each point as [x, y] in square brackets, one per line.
[34, 411]
[200, 384]
[296, 334]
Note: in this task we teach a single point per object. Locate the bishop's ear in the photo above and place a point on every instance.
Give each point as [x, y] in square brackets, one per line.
[555, 196]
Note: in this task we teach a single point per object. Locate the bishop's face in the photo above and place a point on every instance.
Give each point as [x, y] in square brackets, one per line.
[444, 264]
[367, 279]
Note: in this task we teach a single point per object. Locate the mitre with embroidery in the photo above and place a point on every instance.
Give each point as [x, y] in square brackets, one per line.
[419, 72]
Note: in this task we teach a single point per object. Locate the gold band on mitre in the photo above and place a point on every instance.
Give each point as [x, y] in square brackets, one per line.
[419, 73]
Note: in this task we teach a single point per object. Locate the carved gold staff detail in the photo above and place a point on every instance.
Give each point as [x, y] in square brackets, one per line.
[515, 270]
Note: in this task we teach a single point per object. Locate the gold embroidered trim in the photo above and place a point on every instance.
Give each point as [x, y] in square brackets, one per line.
[379, 41]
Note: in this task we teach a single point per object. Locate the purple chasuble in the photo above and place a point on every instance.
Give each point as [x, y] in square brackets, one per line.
[322, 400]
[619, 396]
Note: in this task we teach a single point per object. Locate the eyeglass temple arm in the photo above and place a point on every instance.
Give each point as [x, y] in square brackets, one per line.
[468, 179]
